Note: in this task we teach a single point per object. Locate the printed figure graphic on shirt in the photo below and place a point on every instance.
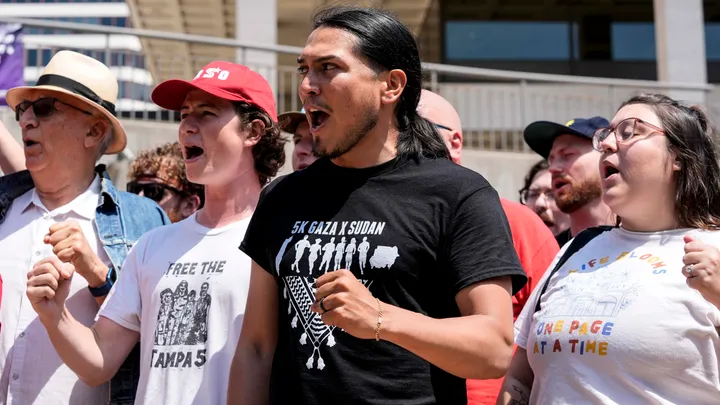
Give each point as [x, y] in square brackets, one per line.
[362, 253]
[164, 317]
[299, 289]
[187, 317]
[281, 253]
[314, 250]
[184, 314]
[339, 251]
[199, 331]
[300, 247]
[329, 250]
[182, 319]
[349, 252]
[180, 299]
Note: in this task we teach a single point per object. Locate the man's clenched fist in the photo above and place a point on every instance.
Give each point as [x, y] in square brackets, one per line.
[48, 287]
[70, 246]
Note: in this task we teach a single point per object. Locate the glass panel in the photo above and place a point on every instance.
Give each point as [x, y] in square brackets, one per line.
[712, 41]
[507, 40]
[633, 41]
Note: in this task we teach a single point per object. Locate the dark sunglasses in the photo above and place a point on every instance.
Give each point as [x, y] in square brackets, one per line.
[42, 107]
[153, 191]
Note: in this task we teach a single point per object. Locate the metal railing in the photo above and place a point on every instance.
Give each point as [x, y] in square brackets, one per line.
[494, 105]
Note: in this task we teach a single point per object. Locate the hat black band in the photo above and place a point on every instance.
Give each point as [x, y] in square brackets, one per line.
[75, 87]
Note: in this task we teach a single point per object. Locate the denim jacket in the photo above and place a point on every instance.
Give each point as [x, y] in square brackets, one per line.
[121, 218]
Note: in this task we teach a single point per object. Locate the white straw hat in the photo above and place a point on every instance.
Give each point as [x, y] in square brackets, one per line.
[84, 78]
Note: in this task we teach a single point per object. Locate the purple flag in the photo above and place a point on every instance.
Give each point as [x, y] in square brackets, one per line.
[12, 61]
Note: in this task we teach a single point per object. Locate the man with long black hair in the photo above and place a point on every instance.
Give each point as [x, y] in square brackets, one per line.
[422, 297]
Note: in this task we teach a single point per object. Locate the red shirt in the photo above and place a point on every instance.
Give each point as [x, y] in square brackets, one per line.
[536, 247]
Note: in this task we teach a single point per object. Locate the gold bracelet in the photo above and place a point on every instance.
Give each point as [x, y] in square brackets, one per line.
[379, 321]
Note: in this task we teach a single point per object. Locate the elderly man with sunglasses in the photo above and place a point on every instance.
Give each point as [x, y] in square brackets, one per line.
[61, 214]
[159, 174]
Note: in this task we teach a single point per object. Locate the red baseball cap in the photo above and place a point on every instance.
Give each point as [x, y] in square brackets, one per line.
[229, 81]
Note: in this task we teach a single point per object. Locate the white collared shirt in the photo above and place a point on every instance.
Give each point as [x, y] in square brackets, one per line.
[31, 370]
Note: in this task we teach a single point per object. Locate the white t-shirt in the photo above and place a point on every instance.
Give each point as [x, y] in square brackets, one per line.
[184, 288]
[619, 325]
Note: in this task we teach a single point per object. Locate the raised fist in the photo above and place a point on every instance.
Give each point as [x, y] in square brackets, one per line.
[48, 287]
[70, 246]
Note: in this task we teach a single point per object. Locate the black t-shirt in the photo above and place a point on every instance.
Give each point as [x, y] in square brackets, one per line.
[414, 232]
[563, 237]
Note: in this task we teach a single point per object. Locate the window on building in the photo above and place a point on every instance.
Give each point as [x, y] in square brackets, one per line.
[509, 40]
[712, 41]
[633, 41]
[569, 37]
[551, 41]
[133, 91]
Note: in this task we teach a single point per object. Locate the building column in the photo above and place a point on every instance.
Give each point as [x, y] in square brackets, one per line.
[256, 22]
[680, 46]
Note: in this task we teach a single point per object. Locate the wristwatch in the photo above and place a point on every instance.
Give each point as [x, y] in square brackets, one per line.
[104, 289]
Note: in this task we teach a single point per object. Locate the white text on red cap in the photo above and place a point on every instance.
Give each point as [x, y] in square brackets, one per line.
[210, 73]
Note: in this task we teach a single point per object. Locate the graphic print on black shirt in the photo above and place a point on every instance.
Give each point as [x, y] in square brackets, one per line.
[315, 254]
[414, 233]
[182, 320]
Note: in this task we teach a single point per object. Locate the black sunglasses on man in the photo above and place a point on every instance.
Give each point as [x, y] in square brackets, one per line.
[42, 107]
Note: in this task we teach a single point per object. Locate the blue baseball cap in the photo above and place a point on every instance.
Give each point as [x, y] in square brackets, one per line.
[541, 135]
[290, 120]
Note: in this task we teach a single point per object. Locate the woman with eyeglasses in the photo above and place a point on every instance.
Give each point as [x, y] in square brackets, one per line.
[632, 316]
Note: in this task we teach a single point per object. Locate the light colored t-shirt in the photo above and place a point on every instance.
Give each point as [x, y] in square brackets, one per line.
[184, 287]
[619, 325]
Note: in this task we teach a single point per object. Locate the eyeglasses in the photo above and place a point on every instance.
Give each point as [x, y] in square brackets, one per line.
[530, 196]
[441, 126]
[153, 191]
[42, 107]
[624, 130]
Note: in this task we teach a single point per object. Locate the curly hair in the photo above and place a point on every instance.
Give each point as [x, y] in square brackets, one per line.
[169, 158]
[269, 152]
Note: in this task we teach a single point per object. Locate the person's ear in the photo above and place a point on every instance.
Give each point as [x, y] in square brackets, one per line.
[394, 83]
[257, 130]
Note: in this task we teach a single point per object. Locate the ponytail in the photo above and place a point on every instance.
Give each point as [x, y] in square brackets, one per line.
[418, 137]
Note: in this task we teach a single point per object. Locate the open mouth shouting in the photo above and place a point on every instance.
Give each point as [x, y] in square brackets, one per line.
[316, 117]
[28, 143]
[608, 170]
[192, 153]
[559, 184]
